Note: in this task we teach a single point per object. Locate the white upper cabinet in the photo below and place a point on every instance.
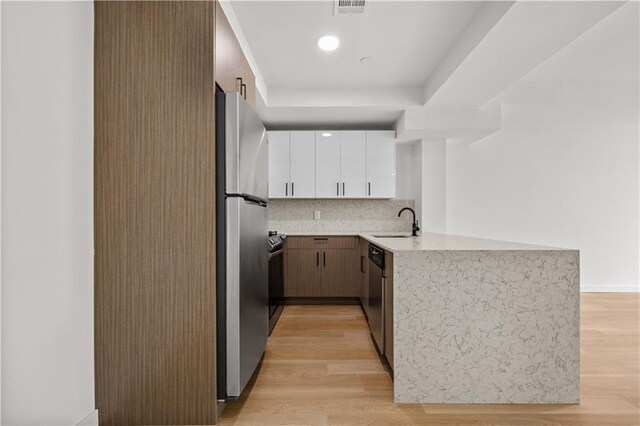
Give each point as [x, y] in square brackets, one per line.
[328, 181]
[303, 164]
[353, 164]
[332, 164]
[279, 179]
[381, 164]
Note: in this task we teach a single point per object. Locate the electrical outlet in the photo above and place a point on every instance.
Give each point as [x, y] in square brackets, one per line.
[316, 214]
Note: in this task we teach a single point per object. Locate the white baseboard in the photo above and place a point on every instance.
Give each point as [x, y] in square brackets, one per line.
[90, 420]
[609, 289]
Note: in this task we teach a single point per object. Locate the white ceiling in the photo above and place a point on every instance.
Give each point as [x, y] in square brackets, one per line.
[439, 69]
[345, 118]
[608, 52]
[405, 41]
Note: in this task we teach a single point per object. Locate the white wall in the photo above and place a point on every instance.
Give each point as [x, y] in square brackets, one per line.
[417, 178]
[565, 186]
[47, 213]
[433, 185]
[406, 186]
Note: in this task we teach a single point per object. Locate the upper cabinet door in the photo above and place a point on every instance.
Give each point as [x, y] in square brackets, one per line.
[353, 164]
[279, 179]
[381, 164]
[328, 183]
[232, 71]
[303, 164]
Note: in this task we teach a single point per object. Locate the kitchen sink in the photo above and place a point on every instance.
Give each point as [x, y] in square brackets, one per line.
[392, 236]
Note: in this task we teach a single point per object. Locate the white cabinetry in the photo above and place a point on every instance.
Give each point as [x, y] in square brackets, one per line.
[292, 162]
[328, 181]
[350, 164]
[341, 164]
[353, 164]
[381, 164]
[303, 164]
[279, 178]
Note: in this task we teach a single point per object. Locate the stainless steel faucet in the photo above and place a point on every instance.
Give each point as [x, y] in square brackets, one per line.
[414, 226]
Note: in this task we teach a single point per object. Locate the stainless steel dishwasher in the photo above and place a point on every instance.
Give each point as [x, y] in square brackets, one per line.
[376, 295]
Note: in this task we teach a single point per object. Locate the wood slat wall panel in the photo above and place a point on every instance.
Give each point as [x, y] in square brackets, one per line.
[155, 213]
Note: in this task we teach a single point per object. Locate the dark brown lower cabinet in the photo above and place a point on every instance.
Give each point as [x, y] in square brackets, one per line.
[303, 273]
[322, 267]
[339, 273]
[364, 274]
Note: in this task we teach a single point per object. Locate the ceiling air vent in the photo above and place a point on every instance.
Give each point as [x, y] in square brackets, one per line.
[350, 7]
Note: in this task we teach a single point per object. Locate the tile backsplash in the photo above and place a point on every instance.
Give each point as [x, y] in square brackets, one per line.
[339, 215]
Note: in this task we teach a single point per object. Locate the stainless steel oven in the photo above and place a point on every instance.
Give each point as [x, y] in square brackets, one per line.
[276, 277]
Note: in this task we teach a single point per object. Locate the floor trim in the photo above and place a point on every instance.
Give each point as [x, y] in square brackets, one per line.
[612, 289]
[90, 419]
[321, 301]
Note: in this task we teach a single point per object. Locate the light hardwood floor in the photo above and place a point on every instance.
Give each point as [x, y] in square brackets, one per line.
[320, 368]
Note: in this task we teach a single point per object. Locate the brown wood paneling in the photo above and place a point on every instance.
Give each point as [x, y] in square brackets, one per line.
[155, 213]
[321, 242]
[388, 307]
[303, 273]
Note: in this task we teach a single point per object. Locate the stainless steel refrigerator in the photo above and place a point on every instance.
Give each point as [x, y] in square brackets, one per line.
[242, 249]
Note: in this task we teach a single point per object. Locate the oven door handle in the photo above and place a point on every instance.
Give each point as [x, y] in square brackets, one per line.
[276, 253]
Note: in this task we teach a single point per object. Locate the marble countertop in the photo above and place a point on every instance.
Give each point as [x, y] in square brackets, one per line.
[428, 241]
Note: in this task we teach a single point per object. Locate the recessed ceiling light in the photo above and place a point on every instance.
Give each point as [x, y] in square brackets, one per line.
[326, 134]
[328, 43]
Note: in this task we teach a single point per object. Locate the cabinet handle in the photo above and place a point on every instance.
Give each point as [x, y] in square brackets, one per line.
[369, 188]
[321, 239]
[343, 189]
[292, 191]
[338, 188]
[324, 258]
[317, 258]
[243, 86]
[362, 264]
[286, 189]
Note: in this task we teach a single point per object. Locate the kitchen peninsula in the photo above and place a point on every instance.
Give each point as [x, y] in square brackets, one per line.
[481, 321]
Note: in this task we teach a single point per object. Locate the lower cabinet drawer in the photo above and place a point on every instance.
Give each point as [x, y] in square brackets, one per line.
[321, 242]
